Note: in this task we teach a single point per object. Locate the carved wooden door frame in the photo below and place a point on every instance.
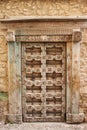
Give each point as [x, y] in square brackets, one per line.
[72, 39]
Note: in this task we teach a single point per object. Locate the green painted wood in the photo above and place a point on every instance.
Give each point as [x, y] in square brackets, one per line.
[11, 71]
[14, 69]
[18, 75]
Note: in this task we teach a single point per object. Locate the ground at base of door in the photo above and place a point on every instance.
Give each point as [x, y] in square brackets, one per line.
[43, 126]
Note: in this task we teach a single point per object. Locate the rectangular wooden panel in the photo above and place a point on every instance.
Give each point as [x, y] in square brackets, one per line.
[43, 81]
[14, 72]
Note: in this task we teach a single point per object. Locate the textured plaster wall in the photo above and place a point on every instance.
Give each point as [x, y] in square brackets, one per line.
[42, 8]
[83, 73]
[3, 63]
[3, 76]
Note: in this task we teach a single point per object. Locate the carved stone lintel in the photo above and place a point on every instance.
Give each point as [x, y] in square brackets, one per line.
[45, 38]
[75, 118]
[14, 118]
[10, 36]
[77, 36]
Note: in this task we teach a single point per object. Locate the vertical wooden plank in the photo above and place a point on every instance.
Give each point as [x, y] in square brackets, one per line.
[76, 116]
[75, 77]
[63, 80]
[11, 72]
[18, 75]
[14, 68]
[24, 81]
[68, 79]
[43, 73]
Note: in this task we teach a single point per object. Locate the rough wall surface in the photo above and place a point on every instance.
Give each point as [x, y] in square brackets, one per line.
[3, 76]
[83, 72]
[3, 63]
[42, 8]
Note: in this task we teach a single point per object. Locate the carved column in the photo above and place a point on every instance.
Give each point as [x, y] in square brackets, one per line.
[14, 72]
[73, 114]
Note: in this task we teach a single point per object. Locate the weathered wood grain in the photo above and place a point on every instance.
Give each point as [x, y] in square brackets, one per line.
[68, 78]
[14, 69]
[75, 77]
[41, 65]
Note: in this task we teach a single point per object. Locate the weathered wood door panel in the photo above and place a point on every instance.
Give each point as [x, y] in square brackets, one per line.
[43, 81]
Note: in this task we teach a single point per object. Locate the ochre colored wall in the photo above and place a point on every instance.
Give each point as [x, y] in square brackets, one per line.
[42, 8]
[83, 72]
[3, 75]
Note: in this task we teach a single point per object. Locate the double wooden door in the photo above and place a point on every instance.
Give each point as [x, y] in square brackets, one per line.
[43, 82]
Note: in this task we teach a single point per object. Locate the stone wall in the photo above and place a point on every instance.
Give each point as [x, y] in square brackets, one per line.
[83, 73]
[3, 76]
[42, 8]
[3, 63]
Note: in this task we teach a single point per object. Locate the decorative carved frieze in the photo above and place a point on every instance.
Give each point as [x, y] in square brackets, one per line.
[44, 31]
[47, 38]
[44, 35]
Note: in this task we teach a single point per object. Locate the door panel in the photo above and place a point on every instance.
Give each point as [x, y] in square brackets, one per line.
[43, 81]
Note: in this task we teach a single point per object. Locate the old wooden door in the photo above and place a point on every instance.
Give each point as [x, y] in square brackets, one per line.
[43, 81]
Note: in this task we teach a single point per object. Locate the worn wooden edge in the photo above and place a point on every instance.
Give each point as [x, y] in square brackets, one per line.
[44, 18]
